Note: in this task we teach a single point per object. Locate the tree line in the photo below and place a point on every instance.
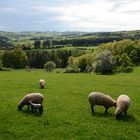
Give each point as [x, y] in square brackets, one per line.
[118, 56]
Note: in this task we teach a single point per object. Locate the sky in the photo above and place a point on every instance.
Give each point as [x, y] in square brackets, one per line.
[69, 15]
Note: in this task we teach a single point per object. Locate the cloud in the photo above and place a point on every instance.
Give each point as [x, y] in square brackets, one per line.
[62, 15]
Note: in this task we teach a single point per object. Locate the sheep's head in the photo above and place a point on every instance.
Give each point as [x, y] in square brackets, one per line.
[118, 113]
[19, 107]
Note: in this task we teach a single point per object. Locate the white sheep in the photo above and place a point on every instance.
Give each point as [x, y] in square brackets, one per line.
[42, 83]
[32, 97]
[98, 98]
[123, 103]
[35, 106]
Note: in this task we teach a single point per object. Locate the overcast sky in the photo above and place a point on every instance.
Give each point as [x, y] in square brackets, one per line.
[69, 15]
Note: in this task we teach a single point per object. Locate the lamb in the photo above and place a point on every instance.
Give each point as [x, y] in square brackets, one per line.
[32, 97]
[98, 98]
[123, 103]
[42, 83]
[36, 106]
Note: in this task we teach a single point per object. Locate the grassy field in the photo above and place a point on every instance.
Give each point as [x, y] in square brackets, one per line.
[67, 113]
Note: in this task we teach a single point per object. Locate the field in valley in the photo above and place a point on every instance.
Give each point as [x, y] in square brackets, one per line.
[67, 113]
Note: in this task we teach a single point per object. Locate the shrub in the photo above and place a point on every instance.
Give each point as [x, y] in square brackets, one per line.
[1, 65]
[72, 69]
[126, 69]
[49, 66]
[27, 68]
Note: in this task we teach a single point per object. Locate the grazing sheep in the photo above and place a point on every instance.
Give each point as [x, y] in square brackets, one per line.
[35, 106]
[97, 98]
[123, 103]
[42, 83]
[32, 97]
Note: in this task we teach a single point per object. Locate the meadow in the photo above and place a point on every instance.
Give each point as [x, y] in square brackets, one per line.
[67, 113]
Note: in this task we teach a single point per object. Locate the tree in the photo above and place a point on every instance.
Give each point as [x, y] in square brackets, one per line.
[134, 57]
[104, 62]
[49, 66]
[37, 44]
[47, 44]
[15, 59]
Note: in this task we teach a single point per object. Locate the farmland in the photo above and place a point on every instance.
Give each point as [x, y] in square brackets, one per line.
[67, 113]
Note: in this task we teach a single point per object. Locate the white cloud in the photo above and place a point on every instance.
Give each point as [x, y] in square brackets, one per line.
[89, 15]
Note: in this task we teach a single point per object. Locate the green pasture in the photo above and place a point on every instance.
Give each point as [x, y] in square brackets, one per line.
[67, 114]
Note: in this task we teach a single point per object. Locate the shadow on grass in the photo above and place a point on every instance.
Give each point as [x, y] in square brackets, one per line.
[126, 118]
[29, 112]
[102, 114]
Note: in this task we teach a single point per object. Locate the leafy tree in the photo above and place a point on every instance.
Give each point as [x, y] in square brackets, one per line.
[7, 59]
[104, 62]
[15, 59]
[49, 66]
[125, 61]
[37, 44]
[134, 57]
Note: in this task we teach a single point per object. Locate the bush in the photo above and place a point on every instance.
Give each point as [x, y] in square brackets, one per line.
[69, 70]
[72, 69]
[4, 69]
[126, 69]
[1, 65]
[27, 68]
[49, 66]
[124, 63]
[89, 69]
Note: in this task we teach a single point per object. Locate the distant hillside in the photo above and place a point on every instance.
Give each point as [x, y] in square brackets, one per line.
[9, 39]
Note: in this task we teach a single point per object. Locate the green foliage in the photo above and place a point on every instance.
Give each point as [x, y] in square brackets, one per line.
[135, 57]
[73, 69]
[124, 63]
[1, 65]
[125, 60]
[15, 58]
[3, 68]
[37, 58]
[47, 44]
[81, 62]
[37, 44]
[104, 62]
[49, 66]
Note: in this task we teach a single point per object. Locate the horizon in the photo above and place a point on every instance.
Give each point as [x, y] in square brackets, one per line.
[69, 31]
[69, 16]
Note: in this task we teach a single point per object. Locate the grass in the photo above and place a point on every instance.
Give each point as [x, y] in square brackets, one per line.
[67, 113]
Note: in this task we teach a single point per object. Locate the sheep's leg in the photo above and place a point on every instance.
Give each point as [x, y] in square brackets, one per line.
[92, 109]
[32, 109]
[28, 107]
[35, 109]
[41, 109]
[106, 109]
[125, 112]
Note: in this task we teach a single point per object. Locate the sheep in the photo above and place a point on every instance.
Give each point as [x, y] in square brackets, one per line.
[42, 83]
[123, 103]
[34, 97]
[35, 106]
[98, 98]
